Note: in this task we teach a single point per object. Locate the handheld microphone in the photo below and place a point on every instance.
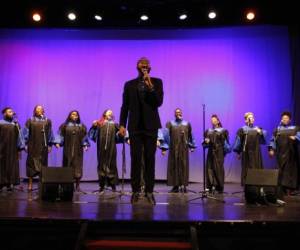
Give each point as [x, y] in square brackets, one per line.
[14, 118]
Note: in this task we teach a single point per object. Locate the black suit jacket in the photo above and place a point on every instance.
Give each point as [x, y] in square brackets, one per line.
[132, 108]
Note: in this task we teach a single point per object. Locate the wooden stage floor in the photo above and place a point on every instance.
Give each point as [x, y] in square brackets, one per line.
[93, 221]
[169, 207]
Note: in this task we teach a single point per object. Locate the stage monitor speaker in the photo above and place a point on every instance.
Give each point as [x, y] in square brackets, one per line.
[56, 184]
[261, 186]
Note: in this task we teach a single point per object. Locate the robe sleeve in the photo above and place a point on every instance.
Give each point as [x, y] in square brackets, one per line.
[162, 137]
[59, 137]
[272, 144]
[21, 141]
[237, 147]
[120, 139]
[191, 139]
[93, 133]
[204, 144]
[298, 134]
[263, 137]
[85, 140]
[25, 131]
[227, 146]
[50, 135]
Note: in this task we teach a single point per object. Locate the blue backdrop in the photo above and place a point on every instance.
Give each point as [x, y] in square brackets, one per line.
[231, 70]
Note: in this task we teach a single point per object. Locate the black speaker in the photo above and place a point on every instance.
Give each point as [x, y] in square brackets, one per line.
[56, 184]
[261, 186]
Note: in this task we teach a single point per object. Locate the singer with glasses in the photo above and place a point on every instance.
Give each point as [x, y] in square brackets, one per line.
[284, 145]
[247, 145]
[216, 139]
[11, 144]
[38, 137]
[72, 136]
[142, 97]
[178, 136]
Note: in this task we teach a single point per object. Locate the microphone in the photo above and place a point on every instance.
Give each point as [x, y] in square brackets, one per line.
[248, 121]
[145, 70]
[14, 118]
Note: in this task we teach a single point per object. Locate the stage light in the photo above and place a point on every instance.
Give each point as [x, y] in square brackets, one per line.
[144, 17]
[183, 16]
[71, 16]
[98, 17]
[36, 17]
[212, 15]
[250, 15]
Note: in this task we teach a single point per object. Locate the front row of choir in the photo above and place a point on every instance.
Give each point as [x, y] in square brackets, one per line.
[36, 138]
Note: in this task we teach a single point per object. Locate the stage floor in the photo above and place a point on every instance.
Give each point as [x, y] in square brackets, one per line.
[170, 207]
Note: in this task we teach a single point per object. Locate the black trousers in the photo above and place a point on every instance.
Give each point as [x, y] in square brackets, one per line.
[139, 141]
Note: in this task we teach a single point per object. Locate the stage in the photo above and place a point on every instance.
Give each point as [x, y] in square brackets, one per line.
[105, 221]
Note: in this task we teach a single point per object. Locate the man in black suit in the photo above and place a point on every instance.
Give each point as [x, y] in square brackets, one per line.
[141, 98]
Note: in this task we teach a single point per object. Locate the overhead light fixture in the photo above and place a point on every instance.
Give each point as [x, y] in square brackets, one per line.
[250, 15]
[36, 17]
[183, 16]
[144, 17]
[212, 15]
[98, 17]
[72, 16]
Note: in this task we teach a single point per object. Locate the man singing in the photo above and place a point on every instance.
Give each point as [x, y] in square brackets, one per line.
[11, 143]
[141, 98]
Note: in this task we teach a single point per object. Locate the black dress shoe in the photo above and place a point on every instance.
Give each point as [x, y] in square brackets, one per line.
[134, 198]
[174, 190]
[150, 198]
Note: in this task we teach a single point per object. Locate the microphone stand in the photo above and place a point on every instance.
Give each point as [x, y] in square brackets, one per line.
[204, 192]
[186, 143]
[122, 192]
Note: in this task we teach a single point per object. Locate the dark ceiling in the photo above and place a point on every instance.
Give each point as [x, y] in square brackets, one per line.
[126, 13]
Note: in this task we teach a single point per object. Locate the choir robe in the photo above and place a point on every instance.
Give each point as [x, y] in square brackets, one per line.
[287, 155]
[179, 138]
[73, 137]
[106, 138]
[247, 144]
[38, 137]
[218, 147]
[11, 143]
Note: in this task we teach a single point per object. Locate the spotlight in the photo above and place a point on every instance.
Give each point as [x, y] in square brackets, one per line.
[98, 17]
[250, 15]
[36, 17]
[183, 16]
[71, 16]
[212, 15]
[144, 17]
